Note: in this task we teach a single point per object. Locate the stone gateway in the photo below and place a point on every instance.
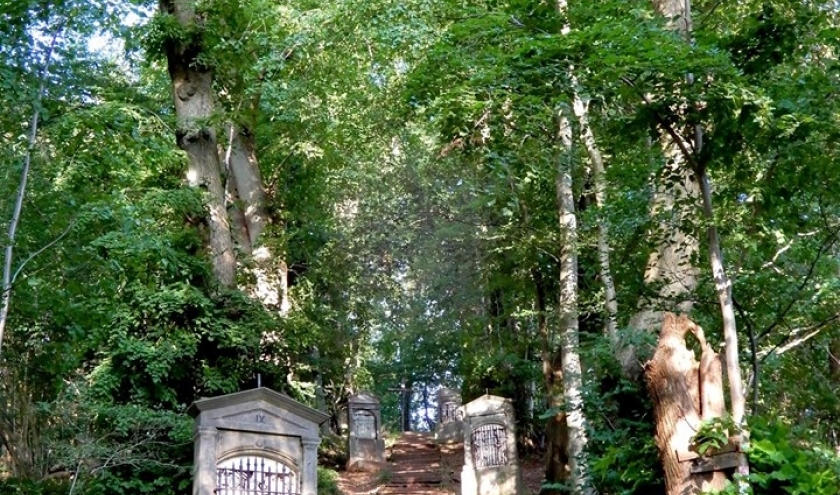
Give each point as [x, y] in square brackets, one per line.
[255, 442]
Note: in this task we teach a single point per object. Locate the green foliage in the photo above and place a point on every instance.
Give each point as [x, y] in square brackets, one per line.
[782, 462]
[713, 434]
[779, 463]
[623, 454]
[328, 482]
[29, 487]
[409, 153]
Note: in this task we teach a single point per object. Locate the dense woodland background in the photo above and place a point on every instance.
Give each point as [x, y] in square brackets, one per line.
[352, 195]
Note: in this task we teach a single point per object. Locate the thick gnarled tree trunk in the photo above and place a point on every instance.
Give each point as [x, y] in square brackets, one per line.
[269, 270]
[192, 91]
[684, 392]
[675, 199]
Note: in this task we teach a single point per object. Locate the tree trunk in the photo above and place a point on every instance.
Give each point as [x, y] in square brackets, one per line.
[672, 205]
[557, 432]
[723, 287]
[269, 270]
[683, 392]
[670, 265]
[405, 399]
[568, 311]
[6, 296]
[581, 109]
[320, 393]
[192, 90]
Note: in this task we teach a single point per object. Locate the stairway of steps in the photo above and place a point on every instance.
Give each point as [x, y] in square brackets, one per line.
[417, 468]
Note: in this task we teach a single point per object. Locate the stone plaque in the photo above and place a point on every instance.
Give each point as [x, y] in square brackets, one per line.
[449, 428]
[365, 423]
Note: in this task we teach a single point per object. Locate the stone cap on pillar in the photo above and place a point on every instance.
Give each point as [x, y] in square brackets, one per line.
[448, 394]
[258, 409]
[488, 405]
[363, 399]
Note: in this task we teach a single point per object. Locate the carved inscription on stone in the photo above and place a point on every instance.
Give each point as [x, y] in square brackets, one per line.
[364, 424]
[489, 445]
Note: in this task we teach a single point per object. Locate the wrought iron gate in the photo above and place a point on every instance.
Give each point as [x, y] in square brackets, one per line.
[489, 445]
[447, 412]
[255, 476]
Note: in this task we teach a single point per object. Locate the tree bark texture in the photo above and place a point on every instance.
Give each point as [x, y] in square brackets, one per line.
[568, 312]
[684, 392]
[596, 159]
[675, 198]
[669, 266]
[192, 90]
[557, 431]
[269, 270]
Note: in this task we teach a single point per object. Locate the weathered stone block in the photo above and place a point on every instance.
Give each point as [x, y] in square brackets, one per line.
[449, 427]
[365, 444]
[491, 465]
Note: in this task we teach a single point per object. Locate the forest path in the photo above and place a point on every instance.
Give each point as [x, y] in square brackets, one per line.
[418, 468]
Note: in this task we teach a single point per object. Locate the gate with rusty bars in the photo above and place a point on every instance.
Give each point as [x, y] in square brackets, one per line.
[253, 475]
[489, 445]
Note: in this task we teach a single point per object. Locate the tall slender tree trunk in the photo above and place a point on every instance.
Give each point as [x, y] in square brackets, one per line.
[192, 91]
[8, 258]
[723, 287]
[557, 431]
[568, 312]
[596, 159]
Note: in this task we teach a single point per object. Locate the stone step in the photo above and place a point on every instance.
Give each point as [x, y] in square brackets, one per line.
[416, 467]
[411, 491]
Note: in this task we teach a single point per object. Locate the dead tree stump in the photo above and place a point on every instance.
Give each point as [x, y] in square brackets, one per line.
[684, 392]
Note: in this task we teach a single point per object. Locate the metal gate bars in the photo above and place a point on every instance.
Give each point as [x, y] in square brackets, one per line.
[255, 476]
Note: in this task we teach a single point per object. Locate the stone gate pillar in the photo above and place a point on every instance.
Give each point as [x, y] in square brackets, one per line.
[255, 440]
[449, 428]
[366, 447]
[491, 465]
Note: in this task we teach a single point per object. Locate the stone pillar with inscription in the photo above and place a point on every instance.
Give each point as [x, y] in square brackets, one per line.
[491, 466]
[449, 427]
[366, 447]
[255, 441]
